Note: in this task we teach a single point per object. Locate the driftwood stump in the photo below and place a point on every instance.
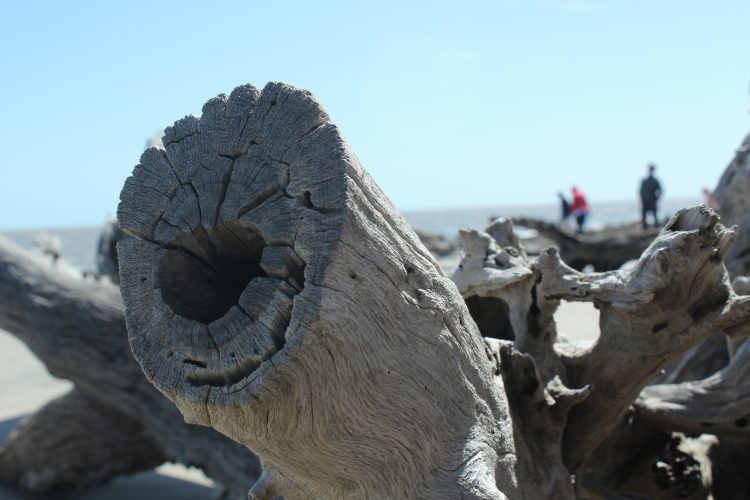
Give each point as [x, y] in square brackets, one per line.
[113, 422]
[273, 293]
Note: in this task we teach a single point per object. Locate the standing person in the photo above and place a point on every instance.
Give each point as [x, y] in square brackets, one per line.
[650, 193]
[564, 207]
[579, 208]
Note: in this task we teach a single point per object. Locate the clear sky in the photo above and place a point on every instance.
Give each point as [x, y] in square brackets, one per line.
[447, 104]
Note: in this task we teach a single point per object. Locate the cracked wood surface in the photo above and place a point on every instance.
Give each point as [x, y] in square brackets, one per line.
[732, 193]
[76, 327]
[344, 356]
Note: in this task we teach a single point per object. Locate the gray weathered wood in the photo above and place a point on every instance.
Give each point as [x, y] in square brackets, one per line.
[675, 296]
[275, 294]
[718, 404]
[732, 193]
[76, 442]
[605, 249]
[106, 251]
[76, 326]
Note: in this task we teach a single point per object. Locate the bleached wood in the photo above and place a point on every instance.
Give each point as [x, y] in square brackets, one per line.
[718, 404]
[345, 359]
[604, 249]
[76, 327]
[675, 296]
[75, 442]
[732, 194]
[274, 293]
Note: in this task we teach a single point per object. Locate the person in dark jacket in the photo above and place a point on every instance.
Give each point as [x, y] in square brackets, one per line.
[564, 207]
[650, 193]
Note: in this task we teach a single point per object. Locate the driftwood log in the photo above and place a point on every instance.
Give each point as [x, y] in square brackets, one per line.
[273, 293]
[733, 196]
[605, 249]
[113, 422]
[107, 264]
[276, 295]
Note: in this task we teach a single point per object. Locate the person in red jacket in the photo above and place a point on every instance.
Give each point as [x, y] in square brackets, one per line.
[579, 208]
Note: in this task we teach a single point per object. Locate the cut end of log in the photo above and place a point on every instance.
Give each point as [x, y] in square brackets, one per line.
[273, 292]
[229, 219]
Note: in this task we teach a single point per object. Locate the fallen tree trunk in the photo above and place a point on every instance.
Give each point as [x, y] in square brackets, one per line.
[76, 442]
[606, 249]
[718, 404]
[733, 196]
[274, 294]
[77, 328]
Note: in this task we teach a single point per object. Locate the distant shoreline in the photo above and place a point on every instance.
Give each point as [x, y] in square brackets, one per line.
[79, 242]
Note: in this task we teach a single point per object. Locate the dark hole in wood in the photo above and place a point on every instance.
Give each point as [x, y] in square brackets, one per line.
[659, 327]
[741, 422]
[203, 273]
[492, 316]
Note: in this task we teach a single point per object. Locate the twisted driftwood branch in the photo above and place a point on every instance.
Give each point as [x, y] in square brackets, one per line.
[718, 404]
[677, 295]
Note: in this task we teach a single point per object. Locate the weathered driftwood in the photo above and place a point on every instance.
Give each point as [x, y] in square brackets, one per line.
[274, 293]
[106, 251]
[605, 249]
[76, 442]
[437, 244]
[675, 296]
[114, 421]
[718, 404]
[733, 196]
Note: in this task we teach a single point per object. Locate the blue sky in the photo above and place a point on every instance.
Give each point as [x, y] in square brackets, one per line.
[447, 104]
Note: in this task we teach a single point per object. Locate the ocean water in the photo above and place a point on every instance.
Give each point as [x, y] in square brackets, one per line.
[448, 222]
[78, 244]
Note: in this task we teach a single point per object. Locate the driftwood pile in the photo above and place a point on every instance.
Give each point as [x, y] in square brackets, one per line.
[605, 249]
[273, 293]
[113, 422]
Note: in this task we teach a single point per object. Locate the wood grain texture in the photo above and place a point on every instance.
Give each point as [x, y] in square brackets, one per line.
[275, 294]
[343, 356]
[732, 193]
